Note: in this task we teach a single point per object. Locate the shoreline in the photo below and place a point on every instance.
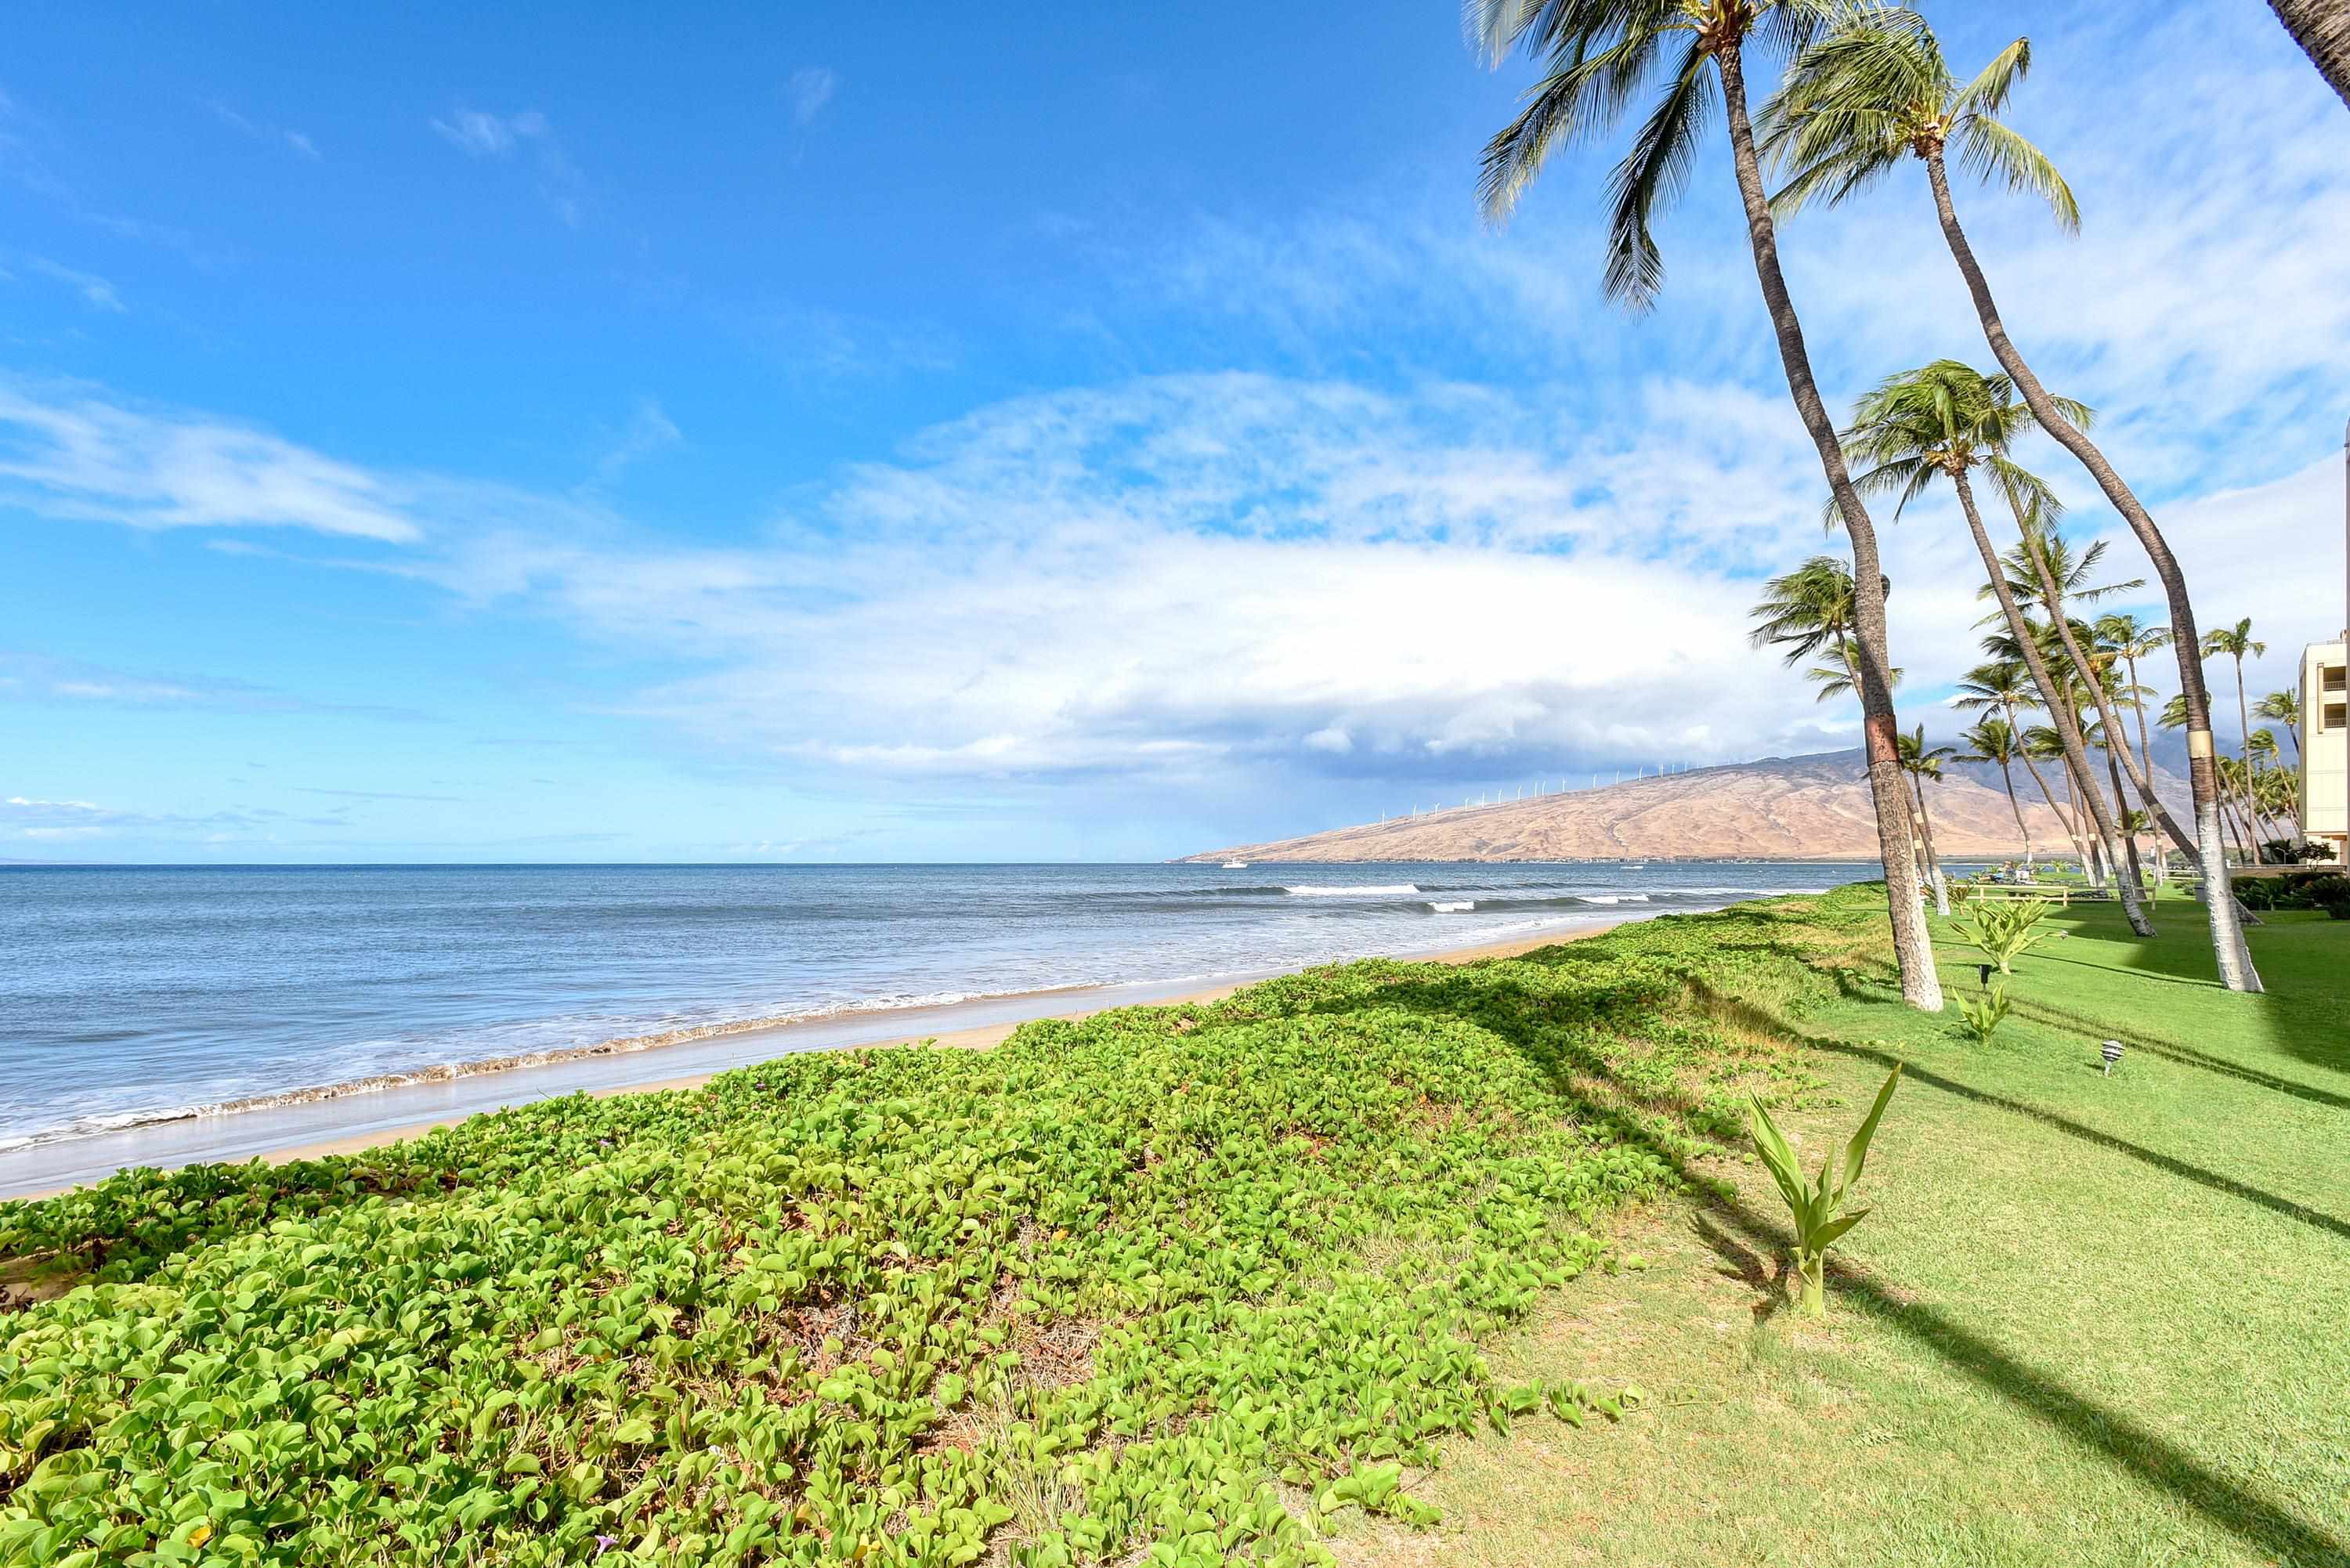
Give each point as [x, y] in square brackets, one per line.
[298, 1124]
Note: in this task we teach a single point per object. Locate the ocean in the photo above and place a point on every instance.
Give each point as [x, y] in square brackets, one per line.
[132, 995]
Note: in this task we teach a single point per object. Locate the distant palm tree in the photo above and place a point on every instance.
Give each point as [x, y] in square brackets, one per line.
[1857, 102]
[1995, 741]
[2005, 684]
[1600, 54]
[2283, 708]
[2135, 639]
[2238, 643]
[2041, 741]
[2048, 567]
[1942, 421]
[1921, 763]
[2136, 824]
[2322, 28]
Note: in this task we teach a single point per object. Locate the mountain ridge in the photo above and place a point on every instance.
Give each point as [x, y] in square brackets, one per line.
[1809, 807]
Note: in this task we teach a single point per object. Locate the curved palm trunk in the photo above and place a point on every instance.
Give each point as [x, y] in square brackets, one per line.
[1933, 860]
[1912, 943]
[2143, 777]
[2322, 28]
[2052, 594]
[2007, 777]
[2228, 948]
[2063, 817]
[2060, 708]
[2136, 873]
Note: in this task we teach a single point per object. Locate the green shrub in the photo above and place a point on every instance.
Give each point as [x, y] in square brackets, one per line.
[1108, 1287]
[2331, 894]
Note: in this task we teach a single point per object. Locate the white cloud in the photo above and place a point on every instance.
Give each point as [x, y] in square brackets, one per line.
[293, 141]
[649, 430]
[95, 292]
[479, 134]
[73, 455]
[810, 89]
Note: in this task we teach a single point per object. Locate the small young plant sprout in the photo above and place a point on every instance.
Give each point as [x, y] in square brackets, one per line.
[1817, 1211]
[1985, 1013]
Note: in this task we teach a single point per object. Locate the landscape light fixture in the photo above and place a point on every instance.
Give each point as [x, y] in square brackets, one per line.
[2113, 1056]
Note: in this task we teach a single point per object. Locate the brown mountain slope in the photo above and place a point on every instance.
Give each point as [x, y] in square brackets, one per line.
[1784, 808]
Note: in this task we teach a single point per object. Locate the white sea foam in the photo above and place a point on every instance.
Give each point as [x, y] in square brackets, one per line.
[1316, 891]
[1614, 898]
[1454, 907]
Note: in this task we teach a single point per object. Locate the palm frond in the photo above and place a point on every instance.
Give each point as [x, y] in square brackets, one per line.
[1991, 151]
[1652, 174]
[1988, 93]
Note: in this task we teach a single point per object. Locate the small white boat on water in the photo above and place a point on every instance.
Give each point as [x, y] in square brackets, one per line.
[1636, 866]
[1235, 864]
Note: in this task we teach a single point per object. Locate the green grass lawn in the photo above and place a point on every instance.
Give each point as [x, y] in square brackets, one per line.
[2091, 1319]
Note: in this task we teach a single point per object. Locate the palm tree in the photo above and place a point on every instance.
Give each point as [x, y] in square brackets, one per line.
[2134, 640]
[1922, 763]
[2238, 643]
[2283, 708]
[2109, 739]
[2005, 684]
[2048, 565]
[2136, 824]
[2041, 742]
[1995, 741]
[1599, 55]
[1941, 421]
[1806, 609]
[1859, 102]
[2322, 28]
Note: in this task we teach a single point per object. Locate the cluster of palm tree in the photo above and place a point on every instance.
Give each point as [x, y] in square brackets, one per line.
[1865, 92]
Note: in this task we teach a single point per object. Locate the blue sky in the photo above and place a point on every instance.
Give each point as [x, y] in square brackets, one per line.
[1012, 433]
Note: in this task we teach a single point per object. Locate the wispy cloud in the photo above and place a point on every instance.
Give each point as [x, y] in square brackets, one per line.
[294, 141]
[68, 454]
[480, 134]
[649, 430]
[809, 89]
[95, 292]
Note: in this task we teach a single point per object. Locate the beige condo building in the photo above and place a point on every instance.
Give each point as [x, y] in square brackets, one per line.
[2326, 745]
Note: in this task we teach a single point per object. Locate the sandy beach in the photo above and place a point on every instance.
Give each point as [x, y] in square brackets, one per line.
[290, 1131]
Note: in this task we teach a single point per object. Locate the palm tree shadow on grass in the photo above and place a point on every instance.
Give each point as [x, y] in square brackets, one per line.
[1763, 1020]
[2152, 1460]
[2188, 1056]
[1578, 1072]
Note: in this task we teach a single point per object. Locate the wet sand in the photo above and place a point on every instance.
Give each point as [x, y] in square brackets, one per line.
[300, 1129]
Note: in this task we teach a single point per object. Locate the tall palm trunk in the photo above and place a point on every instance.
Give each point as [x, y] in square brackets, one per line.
[2322, 28]
[2063, 817]
[1933, 860]
[1912, 943]
[2228, 948]
[2137, 873]
[2052, 594]
[2007, 777]
[2060, 707]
